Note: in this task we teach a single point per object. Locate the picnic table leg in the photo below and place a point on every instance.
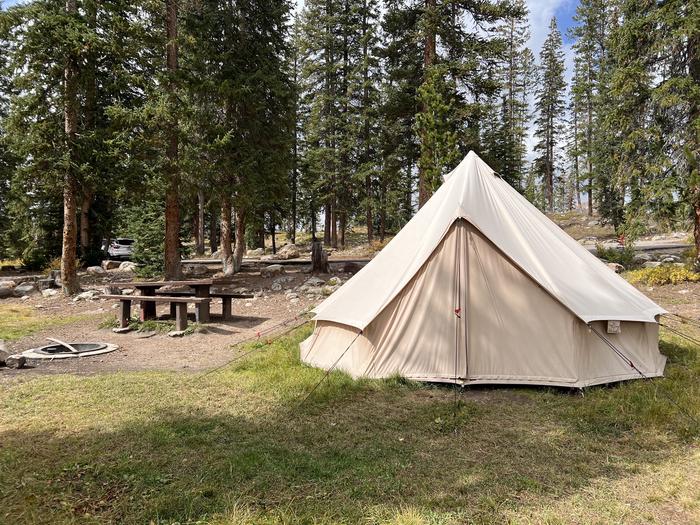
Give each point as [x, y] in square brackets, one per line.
[202, 309]
[148, 309]
[226, 308]
[180, 316]
[173, 310]
[124, 313]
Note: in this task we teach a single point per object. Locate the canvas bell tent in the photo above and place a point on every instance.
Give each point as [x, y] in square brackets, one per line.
[481, 287]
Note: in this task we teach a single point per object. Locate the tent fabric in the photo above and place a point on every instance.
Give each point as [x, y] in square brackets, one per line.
[537, 246]
[494, 339]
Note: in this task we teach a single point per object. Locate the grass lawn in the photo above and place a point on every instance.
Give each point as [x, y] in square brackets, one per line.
[235, 446]
[19, 321]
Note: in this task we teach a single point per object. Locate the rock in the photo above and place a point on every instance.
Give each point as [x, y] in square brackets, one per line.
[15, 361]
[176, 333]
[45, 284]
[276, 287]
[6, 289]
[273, 269]
[651, 264]
[95, 270]
[4, 354]
[334, 281]
[314, 290]
[25, 289]
[127, 291]
[290, 295]
[640, 258]
[268, 258]
[85, 296]
[679, 264]
[127, 266]
[240, 290]
[670, 259]
[194, 270]
[617, 268]
[216, 255]
[110, 265]
[351, 267]
[121, 330]
[288, 251]
[24, 298]
[593, 223]
[328, 290]
[294, 300]
[257, 252]
[51, 292]
[112, 290]
[314, 281]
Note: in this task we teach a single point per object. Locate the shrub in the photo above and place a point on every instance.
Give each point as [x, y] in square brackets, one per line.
[665, 274]
[625, 256]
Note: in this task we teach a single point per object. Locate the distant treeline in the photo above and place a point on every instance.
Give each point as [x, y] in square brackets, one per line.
[223, 121]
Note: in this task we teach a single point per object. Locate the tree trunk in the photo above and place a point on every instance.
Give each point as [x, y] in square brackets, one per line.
[334, 227]
[429, 53]
[85, 205]
[172, 209]
[200, 223]
[327, 225]
[213, 230]
[343, 226]
[69, 274]
[226, 253]
[319, 258]
[273, 228]
[239, 248]
[694, 142]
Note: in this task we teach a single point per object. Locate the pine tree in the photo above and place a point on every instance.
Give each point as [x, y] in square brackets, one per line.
[550, 109]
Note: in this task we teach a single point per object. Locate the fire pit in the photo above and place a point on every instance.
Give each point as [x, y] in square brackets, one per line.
[62, 350]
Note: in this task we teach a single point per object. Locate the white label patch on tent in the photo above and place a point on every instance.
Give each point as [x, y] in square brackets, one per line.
[614, 327]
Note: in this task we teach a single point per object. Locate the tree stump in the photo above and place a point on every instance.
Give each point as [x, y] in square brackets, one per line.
[319, 258]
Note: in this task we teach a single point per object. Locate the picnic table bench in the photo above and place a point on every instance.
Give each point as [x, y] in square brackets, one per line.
[148, 289]
[178, 303]
[225, 296]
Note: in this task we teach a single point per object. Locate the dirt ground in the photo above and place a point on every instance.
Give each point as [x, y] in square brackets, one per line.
[211, 345]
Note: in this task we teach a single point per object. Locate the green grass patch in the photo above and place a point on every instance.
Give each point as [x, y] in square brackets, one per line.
[664, 274]
[19, 321]
[237, 445]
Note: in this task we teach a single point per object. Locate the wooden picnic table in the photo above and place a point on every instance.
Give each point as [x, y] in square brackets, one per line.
[202, 288]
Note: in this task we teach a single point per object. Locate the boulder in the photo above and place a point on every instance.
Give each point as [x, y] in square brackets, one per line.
[112, 290]
[642, 257]
[651, 264]
[328, 290]
[257, 252]
[670, 259]
[288, 251]
[15, 361]
[25, 289]
[4, 354]
[127, 266]
[272, 270]
[194, 270]
[50, 292]
[86, 295]
[350, 267]
[96, 270]
[617, 268]
[110, 265]
[314, 281]
[276, 287]
[6, 289]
